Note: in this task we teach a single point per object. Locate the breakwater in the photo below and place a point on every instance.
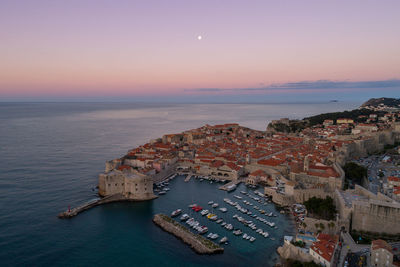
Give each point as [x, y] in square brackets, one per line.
[198, 243]
[108, 199]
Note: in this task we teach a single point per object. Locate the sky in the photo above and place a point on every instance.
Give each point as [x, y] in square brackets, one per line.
[150, 51]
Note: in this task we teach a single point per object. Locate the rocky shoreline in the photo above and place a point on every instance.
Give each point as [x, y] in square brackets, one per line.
[198, 243]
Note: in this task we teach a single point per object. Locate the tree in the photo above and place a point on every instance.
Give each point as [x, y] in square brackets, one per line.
[321, 208]
[354, 172]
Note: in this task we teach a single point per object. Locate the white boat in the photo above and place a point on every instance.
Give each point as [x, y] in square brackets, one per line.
[223, 240]
[237, 232]
[238, 197]
[213, 218]
[229, 227]
[176, 212]
[162, 193]
[231, 187]
[223, 209]
[204, 212]
[214, 236]
[184, 217]
[215, 205]
[203, 230]
[252, 239]
[219, 221]
[210, 202]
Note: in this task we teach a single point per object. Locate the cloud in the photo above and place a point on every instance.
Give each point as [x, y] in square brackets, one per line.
[310, 85]
[205, 90]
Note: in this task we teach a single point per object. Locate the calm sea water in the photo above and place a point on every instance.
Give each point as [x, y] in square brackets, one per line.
[51, 154]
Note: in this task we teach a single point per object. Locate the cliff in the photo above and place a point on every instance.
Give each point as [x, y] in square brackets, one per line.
[198, 243]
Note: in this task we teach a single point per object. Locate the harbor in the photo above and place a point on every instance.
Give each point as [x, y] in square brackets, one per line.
[198, 243]
[241, 221]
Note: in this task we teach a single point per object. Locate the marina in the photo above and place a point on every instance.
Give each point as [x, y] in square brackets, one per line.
[244, 228]
[235, 221]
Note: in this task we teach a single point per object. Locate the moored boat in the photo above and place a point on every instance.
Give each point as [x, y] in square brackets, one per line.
[184, 217]
[176, 212]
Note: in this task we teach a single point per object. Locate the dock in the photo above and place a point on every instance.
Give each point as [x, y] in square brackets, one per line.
[75, 211]
[188, 177]
[226, 187]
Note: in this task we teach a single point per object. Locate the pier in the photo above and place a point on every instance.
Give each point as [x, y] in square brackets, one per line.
[226, 187]
[198, 243]
[188, 177]
[75, 211]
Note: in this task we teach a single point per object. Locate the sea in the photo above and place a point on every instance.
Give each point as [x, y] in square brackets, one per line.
[50, 158]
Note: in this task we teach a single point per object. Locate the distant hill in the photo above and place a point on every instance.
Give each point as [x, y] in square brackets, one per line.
[389, 102]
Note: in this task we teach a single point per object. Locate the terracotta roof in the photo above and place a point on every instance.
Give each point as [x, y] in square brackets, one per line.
[379, 243]
[325, 246]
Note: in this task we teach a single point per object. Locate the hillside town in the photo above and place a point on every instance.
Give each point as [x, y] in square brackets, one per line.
[294, 170]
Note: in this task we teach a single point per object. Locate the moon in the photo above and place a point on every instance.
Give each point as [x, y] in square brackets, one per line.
[199, 37]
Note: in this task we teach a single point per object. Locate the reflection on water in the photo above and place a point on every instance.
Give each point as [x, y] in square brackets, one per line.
[51, 154]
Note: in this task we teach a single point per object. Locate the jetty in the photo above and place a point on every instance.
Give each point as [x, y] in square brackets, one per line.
[72, 212]
[230, 186]
[188, 177]
[198, 243]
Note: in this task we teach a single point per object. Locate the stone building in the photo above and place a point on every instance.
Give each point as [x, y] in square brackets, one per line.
[381, 253]
[130, 184]
[366, 211]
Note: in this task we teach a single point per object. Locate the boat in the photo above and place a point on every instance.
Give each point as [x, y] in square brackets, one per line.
[223, 209]
[223, 223]
[252, 239]
[203, 230]
[223, 240]
[197, 208]
[229, 227]
[210, 215]
[166, 189]
[238, 197]
[214, 218]
[244, 236]
[237, 232]
[162, 192]
[209, 235]
[219, 221]
[214, 236]
[176, 212]
[231, 187]
[184, 217]
[192, 205]
[204, 212]
[215, 205]
[210, 202]
[243, 192]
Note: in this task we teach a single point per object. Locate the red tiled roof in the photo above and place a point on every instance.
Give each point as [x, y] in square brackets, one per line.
[325, 246]
[270, 162]
[379, 243]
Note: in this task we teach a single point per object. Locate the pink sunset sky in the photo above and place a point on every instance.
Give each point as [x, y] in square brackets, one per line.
[151, 48]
